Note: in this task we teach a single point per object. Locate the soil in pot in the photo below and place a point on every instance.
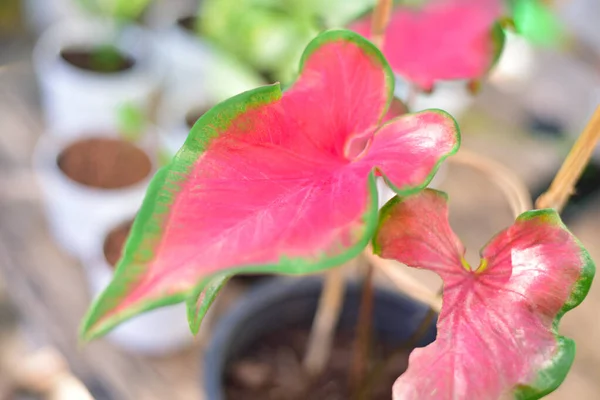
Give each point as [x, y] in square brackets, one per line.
[114, 243]
[104, 163]
[101, 59]
[272, 369]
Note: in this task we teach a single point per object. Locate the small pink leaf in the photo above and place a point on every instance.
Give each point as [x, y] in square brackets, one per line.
[272, 182]
[444, 40]
[498, 327]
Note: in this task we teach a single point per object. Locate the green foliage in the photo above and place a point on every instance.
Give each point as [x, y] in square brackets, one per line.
[536, 22]
[106, 58]
[119, 9]
[132, 122]
[267, 34]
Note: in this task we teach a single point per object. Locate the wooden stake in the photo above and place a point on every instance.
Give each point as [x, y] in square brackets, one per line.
[326, 318]
[362, 343]
[563, 185]
[379, 21]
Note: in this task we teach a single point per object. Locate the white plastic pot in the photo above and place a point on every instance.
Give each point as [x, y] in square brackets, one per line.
[516, 65]
[79, 215]
[72, 97]
[197, 70]
[156, 332]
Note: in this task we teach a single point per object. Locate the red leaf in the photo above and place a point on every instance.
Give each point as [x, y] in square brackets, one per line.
[275, 183]
[444, 40]
[498, 327]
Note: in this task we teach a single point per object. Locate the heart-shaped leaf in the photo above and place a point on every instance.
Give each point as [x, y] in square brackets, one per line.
[498, 327]
[442, 40]
[276, 183]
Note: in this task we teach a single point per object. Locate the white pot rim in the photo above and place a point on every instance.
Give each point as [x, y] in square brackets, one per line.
[133, 40]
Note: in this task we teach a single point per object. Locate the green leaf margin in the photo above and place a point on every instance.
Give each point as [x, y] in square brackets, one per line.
[408, 190]
[550, 378]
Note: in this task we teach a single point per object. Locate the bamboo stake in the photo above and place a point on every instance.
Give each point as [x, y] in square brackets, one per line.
[563, 185]
[323, 329]
[362, 342]
[379, 21]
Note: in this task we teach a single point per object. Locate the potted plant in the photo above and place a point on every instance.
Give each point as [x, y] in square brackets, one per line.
[89, 69]
[285, 182]
[91, 180]
[258, 348]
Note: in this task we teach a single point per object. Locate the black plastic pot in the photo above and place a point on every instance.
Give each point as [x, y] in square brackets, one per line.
[286, 302]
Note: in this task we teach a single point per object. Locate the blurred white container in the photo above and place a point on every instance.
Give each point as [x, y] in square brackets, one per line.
[450, 96]
[198, 71]
[78, 214]
[156, 332]
[73, 97]
[515, 66]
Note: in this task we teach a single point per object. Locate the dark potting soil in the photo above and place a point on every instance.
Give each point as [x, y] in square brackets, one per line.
[104, 163]
[101, 61]
[114, 243]
[272, 370]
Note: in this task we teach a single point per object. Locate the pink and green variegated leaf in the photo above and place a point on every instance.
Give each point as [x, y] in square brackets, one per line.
[498, 327]
[272, 182]
[443, 40]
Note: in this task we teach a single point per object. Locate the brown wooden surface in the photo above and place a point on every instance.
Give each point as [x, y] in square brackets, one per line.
[49, 289]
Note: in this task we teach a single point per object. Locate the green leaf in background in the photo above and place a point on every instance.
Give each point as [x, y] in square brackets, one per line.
[269, 35]
[106, 58]
[536, 22]
[132, 122]
[120, 9]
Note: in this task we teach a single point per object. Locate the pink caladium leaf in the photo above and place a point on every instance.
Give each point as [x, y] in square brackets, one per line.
[272, 182]
[442, 40]
[498, 327]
